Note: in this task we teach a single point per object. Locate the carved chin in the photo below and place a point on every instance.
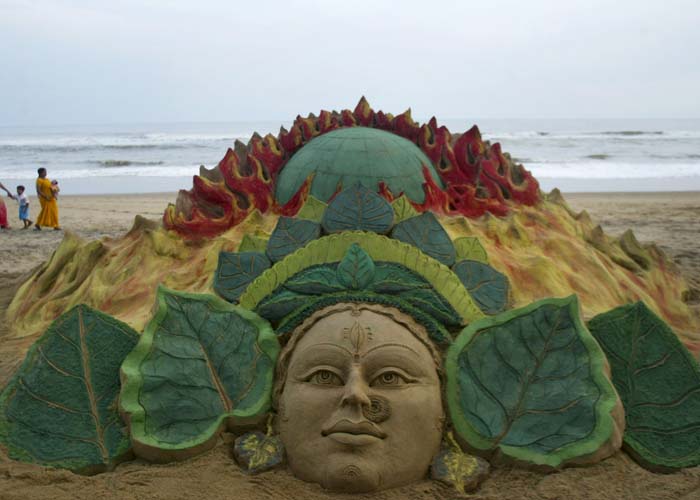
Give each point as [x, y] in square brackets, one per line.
[352, 478]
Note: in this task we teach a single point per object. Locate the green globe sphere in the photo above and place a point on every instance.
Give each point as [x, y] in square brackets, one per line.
[350, 155]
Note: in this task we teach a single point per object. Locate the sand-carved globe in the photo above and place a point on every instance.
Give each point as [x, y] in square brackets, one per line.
[360, 407]
[347, 156]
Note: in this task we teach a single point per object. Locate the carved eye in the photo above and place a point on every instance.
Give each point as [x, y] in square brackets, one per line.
[388, 379]
[325, 377]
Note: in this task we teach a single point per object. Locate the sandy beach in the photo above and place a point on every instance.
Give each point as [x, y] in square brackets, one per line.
[672, 220]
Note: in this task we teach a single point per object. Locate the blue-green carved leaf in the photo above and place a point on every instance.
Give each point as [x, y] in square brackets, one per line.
[530, 384]
[488, 287]
[60, 408]
[393, 279]
[200, 364]
[428, 300]
[280, 304]
[426, 233]
[659, 383]
[358, 208]
[289, 235]
[236, 271]
[315, 280]
[356, 270]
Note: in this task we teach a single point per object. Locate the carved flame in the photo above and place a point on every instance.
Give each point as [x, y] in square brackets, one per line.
[478, 177]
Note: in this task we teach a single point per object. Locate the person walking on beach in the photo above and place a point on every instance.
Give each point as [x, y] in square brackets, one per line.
[48, 217]
[23, 207]
[3, 209]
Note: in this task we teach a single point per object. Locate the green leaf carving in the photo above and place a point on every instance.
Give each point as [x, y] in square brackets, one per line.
[356, 270]
[252, 243]
[280, 304]
[530, 385]
[358, 208]
[315, 280]
[659, 383]
[289, 235]
[60, 408]
[488, 287]
[312, 210]
[236, 271]
[403, 209]
[201, 364]
[426, 233]
[394, 278]
[469, 248]
[432, 303]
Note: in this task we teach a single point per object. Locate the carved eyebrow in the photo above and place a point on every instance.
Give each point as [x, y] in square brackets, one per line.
[329, 344]
[393, 344]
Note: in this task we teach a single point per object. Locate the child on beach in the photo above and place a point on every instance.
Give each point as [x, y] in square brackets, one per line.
[21, 198]
[54, 188]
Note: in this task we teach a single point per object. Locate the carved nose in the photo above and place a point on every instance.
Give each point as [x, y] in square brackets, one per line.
[356, 390]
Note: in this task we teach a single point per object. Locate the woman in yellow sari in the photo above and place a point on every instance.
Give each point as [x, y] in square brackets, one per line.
[48, 217]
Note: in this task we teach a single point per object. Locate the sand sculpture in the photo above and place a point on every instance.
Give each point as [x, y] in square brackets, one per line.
[368, 301]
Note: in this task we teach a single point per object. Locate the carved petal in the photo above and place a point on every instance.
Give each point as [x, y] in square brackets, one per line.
[290, 235]
[358, 208]
[235, 271]
[426, 233]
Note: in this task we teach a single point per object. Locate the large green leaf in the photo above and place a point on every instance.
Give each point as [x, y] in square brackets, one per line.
[60, 408]
[358, 208]
[290, 235]
[488, 287]
[530, 385]
[235, 271]
[659, 383]
[426, 233]
[201, 363]
[356, 270]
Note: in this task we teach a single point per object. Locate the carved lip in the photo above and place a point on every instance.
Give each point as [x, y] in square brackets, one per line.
[349, 432]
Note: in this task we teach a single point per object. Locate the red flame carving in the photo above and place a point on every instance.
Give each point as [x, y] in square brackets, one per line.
[478, 177]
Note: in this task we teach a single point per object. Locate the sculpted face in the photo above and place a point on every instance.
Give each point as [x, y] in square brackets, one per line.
[361, 407]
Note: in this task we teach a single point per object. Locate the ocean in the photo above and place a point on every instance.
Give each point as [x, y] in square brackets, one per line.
[574, 155]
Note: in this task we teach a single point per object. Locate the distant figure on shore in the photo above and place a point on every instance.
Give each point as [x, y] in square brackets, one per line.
[3, 209]
[23, 207]
[48, 217]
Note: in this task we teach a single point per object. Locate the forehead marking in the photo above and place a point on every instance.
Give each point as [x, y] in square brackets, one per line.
[358, 336]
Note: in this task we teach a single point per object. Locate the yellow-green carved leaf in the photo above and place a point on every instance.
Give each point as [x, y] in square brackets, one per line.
[469, 248]
[312, 210]
[252, 243]
[403, 209]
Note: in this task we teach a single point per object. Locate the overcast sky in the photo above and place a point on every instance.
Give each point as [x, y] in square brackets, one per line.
[83, 61]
